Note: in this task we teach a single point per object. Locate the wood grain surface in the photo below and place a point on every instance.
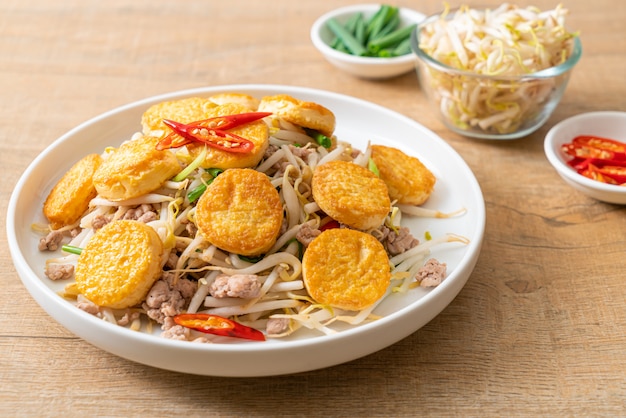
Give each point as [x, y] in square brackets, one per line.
[539, 329]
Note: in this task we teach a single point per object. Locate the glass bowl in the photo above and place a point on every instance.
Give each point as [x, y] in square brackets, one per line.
[491, 106]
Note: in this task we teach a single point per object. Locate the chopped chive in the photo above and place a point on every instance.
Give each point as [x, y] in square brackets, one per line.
[195, 194]
[320, 138]
[352, 22]
[360, 30]
[214, 172]
[390, 26]
[346, 37]
[402, 48]
[192, 166]
[371, 165]
[391, 39]
[350, 26]
[72, 249]
[250, 259]
[377, 21]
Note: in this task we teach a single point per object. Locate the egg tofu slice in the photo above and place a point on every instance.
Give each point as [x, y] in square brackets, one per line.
[346, 269]
[134, 169]
[409, 181]
[246, 100]
[69, 198]
[351, 194]
[182, 110]
[119, 264]
[240, 212]
[301, 113]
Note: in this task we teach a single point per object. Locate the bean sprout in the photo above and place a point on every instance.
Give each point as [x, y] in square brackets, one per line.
[492, 58]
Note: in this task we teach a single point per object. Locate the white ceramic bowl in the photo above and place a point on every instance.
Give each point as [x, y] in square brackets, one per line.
[606, 124]
[364, 67]
[357, 122]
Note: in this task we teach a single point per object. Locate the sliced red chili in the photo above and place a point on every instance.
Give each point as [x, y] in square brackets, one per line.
[585, 151]
[605, 144]
[329, 225]
[582, 163]
[598, 158]
[212, 131]
[215, 138]
[615, 173]
[231, 121]
[218, 325]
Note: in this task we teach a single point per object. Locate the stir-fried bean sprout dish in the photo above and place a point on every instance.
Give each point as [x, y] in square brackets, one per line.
[489, 63]
[237, 216]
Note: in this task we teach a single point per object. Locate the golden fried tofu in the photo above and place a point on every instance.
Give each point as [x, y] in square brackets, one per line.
[305, 114]
[134, 169]
[240, 212]
[257, 132]
[70, 197]
[182, 110]
[346, 269]
[351, 194]
[246, 100]
[119, 264]
[407, 178]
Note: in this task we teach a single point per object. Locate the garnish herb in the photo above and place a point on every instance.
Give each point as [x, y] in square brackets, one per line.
[378, 36]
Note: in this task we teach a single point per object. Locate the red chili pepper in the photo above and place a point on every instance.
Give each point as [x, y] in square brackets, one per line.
[592, 173]
[615, 173]
[329, 225]
[231, 121]
[211, 132]
[217, 325]
[215, 138]
[582, 163]
[597, 158]
[618, 149]
[585, 151]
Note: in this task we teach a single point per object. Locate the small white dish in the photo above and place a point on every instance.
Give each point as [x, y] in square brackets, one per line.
[358, 122]
[606, 124]
[364, 67]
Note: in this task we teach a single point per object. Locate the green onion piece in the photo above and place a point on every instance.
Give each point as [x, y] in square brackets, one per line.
[392, 39]
[385, 53]
[191, 167]
[371, 165]
[360, 30]
[321, 139]
[379, 20]
[392, 23]
[350, 26]
[214, 172]
[402, 48]
[427, 236]
[196, 193]
[250, 259]
[352, 22]
[72, 249]
[346, 37]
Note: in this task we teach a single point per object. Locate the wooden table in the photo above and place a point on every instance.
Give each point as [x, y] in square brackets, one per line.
[539, 329]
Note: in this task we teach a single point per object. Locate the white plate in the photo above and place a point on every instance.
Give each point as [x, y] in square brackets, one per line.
[357, 122]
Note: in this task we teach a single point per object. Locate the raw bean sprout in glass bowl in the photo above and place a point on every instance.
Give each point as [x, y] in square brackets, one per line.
[495, 73]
